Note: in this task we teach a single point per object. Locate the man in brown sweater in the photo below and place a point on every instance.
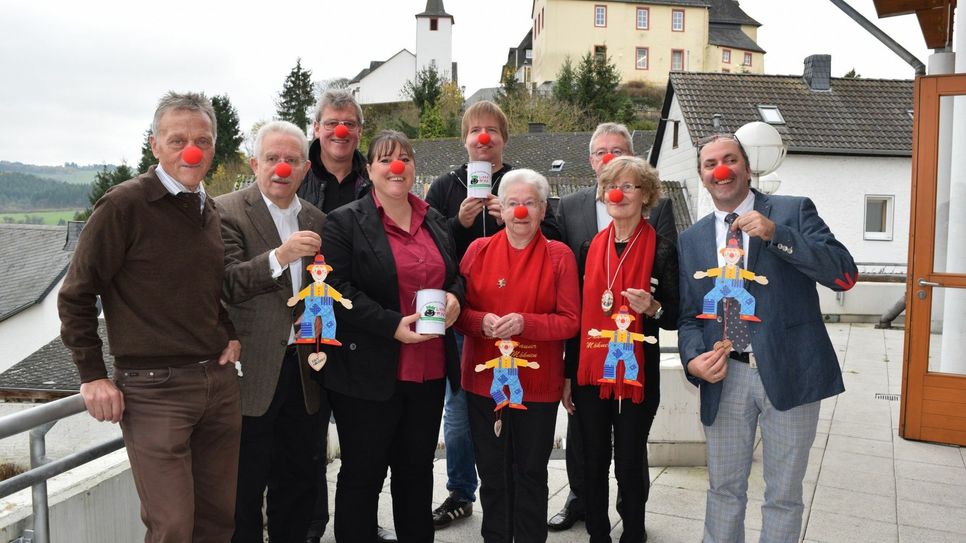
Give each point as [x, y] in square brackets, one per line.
[152, 250]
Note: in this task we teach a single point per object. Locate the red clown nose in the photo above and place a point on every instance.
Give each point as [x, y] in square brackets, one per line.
[483, 139]
[721, 173]
[283, 170]
[521, 212]
[615, 195]
[607, 158]
[341, 131]
[397, 167]
[192, 155]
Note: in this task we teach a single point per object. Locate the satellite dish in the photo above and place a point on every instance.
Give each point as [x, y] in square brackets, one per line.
[764, 146]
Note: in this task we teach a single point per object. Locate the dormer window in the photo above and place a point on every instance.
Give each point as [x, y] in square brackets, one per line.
[771, 114]
[557, 165]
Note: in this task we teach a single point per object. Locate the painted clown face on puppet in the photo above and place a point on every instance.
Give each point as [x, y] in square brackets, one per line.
[319, 269]
[506, 346]
[623, 318]
[732, 253]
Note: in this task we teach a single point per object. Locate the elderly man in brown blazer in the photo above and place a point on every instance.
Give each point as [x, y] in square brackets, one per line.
[270, 237]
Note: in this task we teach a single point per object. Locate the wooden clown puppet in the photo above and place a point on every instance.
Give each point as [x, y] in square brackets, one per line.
[506, 374]
[318, 303]
[729, 282]
[621, 347]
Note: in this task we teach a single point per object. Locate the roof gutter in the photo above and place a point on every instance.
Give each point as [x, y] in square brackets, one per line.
[892, 44]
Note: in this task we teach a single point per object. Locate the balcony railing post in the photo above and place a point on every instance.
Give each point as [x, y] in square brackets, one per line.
[38, 457]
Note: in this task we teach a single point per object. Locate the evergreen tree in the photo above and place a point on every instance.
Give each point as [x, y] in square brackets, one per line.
[431, 124]
[229, 133]
[852, 75]
[426, 89]
[104, 180]
[564, 89]
[147, 155]
[297, 97]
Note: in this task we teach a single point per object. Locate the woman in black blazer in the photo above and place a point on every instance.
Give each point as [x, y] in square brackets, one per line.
[386, 382]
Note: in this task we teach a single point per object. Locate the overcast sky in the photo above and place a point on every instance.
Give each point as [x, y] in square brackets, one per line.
[80, 80]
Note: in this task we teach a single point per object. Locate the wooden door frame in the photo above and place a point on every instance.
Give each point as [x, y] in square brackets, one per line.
[923, 391]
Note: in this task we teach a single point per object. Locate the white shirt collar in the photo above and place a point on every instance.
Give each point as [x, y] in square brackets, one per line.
[745, 206]
[293, 209]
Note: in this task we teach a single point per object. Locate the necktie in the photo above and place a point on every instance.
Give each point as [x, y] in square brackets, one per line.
[735, 329]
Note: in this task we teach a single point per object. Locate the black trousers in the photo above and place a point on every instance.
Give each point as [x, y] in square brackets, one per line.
[280, 451]
[400, 434]
[512, 468]
[598, 419]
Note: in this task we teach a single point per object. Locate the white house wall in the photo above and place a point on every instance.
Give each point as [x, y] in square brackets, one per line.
[385, 83]
[29, 330]
[679, 164]
[435, 46]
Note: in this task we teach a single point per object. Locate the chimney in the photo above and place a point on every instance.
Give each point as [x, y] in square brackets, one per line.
[818, 72]
[535, 128]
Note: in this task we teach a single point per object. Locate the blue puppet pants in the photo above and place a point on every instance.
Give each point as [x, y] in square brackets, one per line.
[506, 377]
[318, 306]
[620, 351]
[728, 288]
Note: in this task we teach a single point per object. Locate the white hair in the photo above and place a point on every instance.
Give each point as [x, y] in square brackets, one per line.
[281, 127]
[526, 177]
[616, 129]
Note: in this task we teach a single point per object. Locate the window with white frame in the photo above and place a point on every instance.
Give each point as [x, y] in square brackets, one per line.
[879, 210]
[643, 18]
[771, 114]
[677, 60]
[726, 56]
[747, 60]
[600, 16]
[642, 58]
[677, 20]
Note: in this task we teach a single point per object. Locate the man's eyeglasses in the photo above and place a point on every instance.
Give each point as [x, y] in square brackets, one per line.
[331, 124]
[599, 153]
[625, 188]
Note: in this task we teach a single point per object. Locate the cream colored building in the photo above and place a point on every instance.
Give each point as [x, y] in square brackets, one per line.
[645, 39]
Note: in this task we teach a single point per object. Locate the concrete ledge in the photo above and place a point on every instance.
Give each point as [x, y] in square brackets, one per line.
[95, 503]
[677, 436]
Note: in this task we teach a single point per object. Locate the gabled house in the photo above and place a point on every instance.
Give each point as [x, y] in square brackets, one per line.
[383, 81]
[33, 262]
[849, 150]
[645, 39]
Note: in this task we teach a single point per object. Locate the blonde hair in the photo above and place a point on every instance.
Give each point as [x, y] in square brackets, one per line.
[484, 108]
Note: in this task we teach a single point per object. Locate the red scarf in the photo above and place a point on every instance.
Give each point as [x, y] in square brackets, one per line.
[528, 281]
[635, 273]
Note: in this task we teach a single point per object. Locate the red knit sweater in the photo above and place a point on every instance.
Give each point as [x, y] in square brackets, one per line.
[547, 330]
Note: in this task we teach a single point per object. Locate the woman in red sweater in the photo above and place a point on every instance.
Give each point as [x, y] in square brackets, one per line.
[522, 288]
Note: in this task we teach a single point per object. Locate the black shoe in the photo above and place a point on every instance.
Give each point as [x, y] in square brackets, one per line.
[384, 536]
[564, 520]
[451, 510]
[313, 539]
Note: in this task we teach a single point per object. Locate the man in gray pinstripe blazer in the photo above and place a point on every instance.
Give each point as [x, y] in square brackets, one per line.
[270, 236]
[777, 382]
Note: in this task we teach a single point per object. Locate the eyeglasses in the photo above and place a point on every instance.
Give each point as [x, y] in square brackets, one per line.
[625, 188]
[273, 160]
[530, 204]
[600, 153]
[331, 124]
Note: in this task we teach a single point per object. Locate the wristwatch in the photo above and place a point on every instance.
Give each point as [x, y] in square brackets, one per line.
[659, 313]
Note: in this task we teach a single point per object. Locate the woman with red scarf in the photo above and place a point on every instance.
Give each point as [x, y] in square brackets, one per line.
[520, 287]
[630, 288]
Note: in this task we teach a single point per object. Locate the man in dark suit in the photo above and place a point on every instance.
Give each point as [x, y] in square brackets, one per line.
[771, 373]
[580, 216]
[270, 235]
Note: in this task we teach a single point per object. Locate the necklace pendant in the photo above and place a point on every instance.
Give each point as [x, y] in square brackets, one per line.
[607, 301]
[500, 283]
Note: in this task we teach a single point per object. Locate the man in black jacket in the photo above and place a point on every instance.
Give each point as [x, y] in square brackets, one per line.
[338, 173]
[580, 216]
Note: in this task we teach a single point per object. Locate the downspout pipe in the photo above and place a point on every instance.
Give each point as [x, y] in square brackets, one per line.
[892, 44]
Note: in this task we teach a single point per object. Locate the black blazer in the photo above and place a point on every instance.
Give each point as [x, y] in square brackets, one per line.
[354, 243]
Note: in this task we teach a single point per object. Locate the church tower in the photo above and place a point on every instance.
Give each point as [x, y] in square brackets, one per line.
[434, 40]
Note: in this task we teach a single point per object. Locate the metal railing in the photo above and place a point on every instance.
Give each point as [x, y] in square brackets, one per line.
[38, 421]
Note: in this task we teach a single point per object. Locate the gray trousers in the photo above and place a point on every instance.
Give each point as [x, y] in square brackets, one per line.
[786, 436]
